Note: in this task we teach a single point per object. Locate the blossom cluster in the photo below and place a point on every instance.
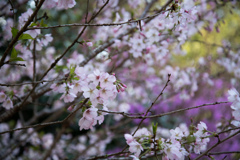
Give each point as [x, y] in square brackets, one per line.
[233, 96]
[7, 102]
[174, 147]
[98, 86]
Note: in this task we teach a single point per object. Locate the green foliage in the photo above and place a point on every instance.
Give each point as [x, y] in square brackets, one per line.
[154, 128]
[42, 24]
[14, 53]
[25, 36]
[14, 32]
[33, 24]
[14, 56]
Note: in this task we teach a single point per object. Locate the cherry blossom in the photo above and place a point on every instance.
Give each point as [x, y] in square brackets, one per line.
[129, 138]
[174, 150]
[95, 76]
[89, 90]
[2, 97]
[233, 95]
[136, 148]
[89, 119]
[66, 4]
[8, 104]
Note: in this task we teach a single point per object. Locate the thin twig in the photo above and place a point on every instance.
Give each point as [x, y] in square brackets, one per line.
[48, 123]
[128, 115]
[218, 153]
[215, 145]
[96, 25]
[169, 75]
[14, 64]
[21, 84]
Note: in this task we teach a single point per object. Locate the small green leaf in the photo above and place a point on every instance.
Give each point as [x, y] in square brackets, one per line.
[72, 70]
[16, 59]
[81, 42]
[14, 53]
[14, 32]
[76, 78]
[42, 24]
[83, 109]
[89, 103]
[98, 87]
[190, 139]
[25, 36]
[33, 24]
[154, 128]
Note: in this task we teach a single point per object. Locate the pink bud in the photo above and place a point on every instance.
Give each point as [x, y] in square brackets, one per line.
[70, 108]
[90, 44]
[122, 89]
[148, 50]
[124, 85]
[115, 30]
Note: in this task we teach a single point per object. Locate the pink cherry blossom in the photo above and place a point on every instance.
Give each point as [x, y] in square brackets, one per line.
[142, 133]
[86, 123]
[174, 150]
[33, 33]
[2, 97]
[95, 76]
[129, 138]
[89, 90]
[68, 97]
[176, 133]
[135, 147]
[107, 80]
[90, 44]
[24, 17]
[48, 4]
[46, 39]
[66, 4]
[7, 104]
[90, 113]
[233, 95]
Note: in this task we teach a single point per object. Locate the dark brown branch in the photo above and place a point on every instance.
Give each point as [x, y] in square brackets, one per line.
[218, 153]
[96, 25]
[169, 75]
[48, 123]
[21, 84]
[215, 145]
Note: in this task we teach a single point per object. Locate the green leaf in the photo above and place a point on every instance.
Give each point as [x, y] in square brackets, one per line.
[14, 32]
[89, 103]
[25, 36]
[98, 87]
[33, 24]
[154, 128]
[191, 139]
[16, 59]
[76, 78]
[42, 24]
[72, 70]
[81, 42]
[14, 53]
[83, 109]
